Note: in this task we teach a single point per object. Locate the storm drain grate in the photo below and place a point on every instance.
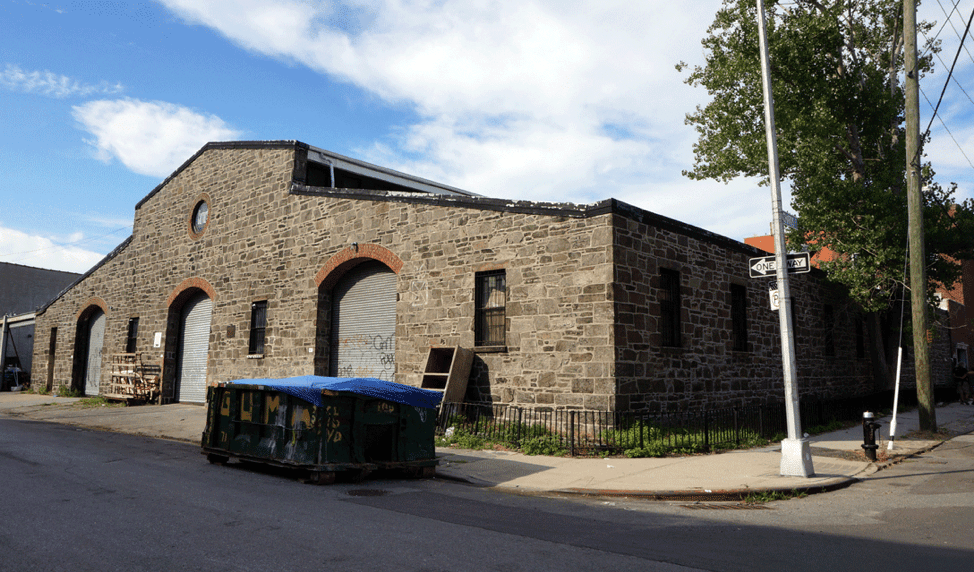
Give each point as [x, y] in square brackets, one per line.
[727, 506]
[367, 493]
[691, 497]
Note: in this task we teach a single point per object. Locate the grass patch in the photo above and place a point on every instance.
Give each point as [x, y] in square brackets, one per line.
[637, 440]
[651, 440]
[89, 402]
[832, 425]
[771, 496]
[528, 439]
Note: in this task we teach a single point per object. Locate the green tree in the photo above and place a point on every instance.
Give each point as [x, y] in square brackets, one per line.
[839, 111]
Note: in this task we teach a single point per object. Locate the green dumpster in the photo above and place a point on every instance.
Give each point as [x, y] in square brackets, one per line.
[323, 425]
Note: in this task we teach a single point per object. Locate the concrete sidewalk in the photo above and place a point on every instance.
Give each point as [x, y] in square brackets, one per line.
[836, 458]
[179, 422]
[724, 476]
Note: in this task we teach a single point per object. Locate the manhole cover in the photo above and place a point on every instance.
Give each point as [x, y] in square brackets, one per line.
[367, 493]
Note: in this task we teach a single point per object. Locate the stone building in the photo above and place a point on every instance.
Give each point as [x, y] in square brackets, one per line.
[273, 259]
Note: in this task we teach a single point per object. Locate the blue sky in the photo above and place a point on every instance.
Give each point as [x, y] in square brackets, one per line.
[529, 99]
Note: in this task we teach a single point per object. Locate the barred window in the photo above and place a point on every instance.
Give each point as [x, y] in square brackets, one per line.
[828, 316]
[860, 338]
[132, 337]
[738, 317]
[669, 308]
[490, 308]
[258, 325]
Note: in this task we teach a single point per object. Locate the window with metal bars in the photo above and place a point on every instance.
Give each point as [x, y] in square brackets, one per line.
[828, 316]
[860, 338]
[258, 326]
[738, 317]
[132, 337]
[490, 308]
[669, 308]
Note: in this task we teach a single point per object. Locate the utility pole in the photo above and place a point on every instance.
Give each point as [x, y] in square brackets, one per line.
[796, 454]
[918, 251]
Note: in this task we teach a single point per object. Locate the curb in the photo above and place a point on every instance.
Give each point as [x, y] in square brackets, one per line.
[710, 495]
[684, 495]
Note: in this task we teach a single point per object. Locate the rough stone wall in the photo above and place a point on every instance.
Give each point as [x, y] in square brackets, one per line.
[582, 291]
[240, 254]
[558, 349]
[941, 354]
[263, 242]
[704, 370]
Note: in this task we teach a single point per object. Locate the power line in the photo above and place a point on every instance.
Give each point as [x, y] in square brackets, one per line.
[948, 20]
[950, 73]
[936, 36]
[947, 129]
[63, 246]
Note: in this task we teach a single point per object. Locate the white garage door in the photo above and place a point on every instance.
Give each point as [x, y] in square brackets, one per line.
[363, 340]
[96, 341]
[194, 348]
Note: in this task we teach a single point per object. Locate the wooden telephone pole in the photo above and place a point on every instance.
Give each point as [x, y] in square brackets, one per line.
[918, 251]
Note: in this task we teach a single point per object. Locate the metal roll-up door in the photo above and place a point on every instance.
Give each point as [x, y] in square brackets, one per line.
[363, 339]
[96, 340]
[194, 348]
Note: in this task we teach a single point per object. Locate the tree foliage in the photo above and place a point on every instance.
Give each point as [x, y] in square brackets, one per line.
[836, 68]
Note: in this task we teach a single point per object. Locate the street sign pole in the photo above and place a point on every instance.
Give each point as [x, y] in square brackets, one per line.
[796, 456]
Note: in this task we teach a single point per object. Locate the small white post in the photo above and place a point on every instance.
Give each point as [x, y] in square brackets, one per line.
[896, 398]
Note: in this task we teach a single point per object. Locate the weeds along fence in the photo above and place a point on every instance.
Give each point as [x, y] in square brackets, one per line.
[646, 434]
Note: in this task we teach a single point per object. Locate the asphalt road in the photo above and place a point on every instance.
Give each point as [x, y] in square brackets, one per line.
[74, 499]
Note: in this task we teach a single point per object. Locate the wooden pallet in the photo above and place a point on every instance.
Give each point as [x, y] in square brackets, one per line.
[134, 379]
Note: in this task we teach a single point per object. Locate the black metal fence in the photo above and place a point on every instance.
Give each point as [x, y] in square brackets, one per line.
[648, 434]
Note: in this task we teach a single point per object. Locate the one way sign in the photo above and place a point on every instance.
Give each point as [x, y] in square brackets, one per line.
[765, 265]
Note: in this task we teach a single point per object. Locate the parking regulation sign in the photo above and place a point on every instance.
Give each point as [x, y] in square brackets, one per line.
[775, 298]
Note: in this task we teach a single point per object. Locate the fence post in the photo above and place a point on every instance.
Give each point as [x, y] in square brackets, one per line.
[520, 420]
[571, 433]
[737, 429]
[706, 430]
[642, 425]
[761, 421]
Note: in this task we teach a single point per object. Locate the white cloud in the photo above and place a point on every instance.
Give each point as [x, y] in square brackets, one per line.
[43, 252]
[149, 137]
[543, 100]
[540, 99]
[50, 84]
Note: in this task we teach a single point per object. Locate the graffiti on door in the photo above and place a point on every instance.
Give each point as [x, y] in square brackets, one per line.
[367, 355]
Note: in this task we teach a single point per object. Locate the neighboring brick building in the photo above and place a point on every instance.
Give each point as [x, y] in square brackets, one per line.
[273, 259]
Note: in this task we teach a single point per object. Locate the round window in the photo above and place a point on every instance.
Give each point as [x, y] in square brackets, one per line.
[200, 217]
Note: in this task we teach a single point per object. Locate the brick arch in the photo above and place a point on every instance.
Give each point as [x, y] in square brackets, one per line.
[190, 284]
[352, 256]
[89, 303]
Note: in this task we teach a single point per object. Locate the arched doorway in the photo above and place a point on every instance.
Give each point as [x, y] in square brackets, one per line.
[89, 342]
[362, 341]
[193, 348]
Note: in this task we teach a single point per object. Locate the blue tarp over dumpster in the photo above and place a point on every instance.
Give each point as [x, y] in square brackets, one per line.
[309, 387]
